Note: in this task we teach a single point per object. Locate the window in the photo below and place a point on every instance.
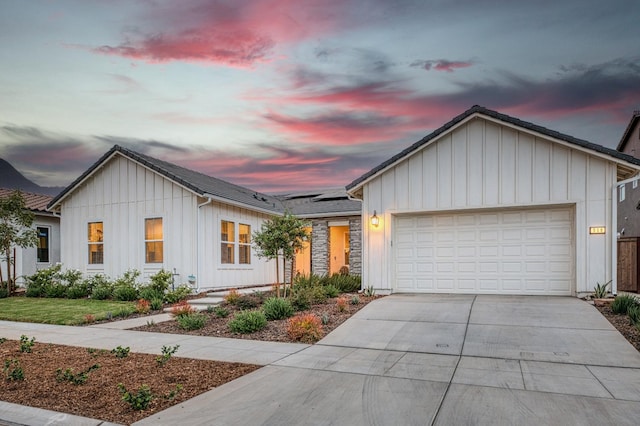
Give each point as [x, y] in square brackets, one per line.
[635, 184]
[153, 240]
[229, 241]
[43, 244]
[622, 195]
[96, 245]
[244, 244]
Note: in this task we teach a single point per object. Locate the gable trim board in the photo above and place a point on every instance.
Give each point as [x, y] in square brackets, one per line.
[486, 164]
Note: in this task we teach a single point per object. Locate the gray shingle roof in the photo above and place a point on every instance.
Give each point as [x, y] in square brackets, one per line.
[199, 183]
[504, 118]
[625, 136]
[318, 203]
[34, 202]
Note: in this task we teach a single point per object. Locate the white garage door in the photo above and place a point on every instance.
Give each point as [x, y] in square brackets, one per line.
[497, 252]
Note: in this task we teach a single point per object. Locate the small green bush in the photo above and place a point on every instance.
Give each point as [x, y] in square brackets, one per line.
[275, 308]
[621, 303]
[139, 400]
[80, 378]
[331, 291]
[12, 370]
[100, 285]
[55, 289]
[3, 290]
[247, 302]
[150, 293]
[248, 322]
[633, 312]
[36, 283]
[121, 352]
[125, 293]
[355, 300]
[192, 321]
[300, 301]
[345, 283]
[167, 353]
[156, 304]
[77, 290]
[102, 292]
[25, 344]
[221, 312]
[180, 293]
[160, 281]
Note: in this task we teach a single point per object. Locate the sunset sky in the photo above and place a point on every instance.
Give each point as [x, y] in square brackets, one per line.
[279, 95]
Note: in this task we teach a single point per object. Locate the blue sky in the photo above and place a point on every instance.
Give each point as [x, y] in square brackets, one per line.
[281, 95]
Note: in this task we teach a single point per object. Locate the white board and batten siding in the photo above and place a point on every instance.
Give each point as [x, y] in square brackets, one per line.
[122, 194]
[478, 191]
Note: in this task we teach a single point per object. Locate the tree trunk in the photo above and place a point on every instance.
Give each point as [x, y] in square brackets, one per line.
[277, 277]
[13, 281]
[8, 254]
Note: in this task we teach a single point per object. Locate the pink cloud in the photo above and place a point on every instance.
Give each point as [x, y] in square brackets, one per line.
[236, 33]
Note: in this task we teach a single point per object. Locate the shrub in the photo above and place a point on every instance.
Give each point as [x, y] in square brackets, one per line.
[77, 379]
[192, 321]
[306, 328]
[180, 293]
[12, 370]
[600, 290]
[55, 289]
[36, 283]
[121, 352]
[26, 344]
[634, 314]
[182, 308]
[167, 353]
[232, 297]
[3, 290]
[305, 296]
[71, 277]
[341, 304]
[246, 302]
[125, 287]
[160, 281]
[102, 292]
[77, 291]
[345, 283]
[325, 318]
[621, 303]
[276, 308]
[156, 304]
[248, 322]
[355, 300]
[139, 400]
[89, 318]
[311, 280]
[369, 291]
[149, 293]
[143, 306]
[221, 311]
[331, 291]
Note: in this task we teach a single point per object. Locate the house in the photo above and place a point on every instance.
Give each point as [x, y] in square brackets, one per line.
[490, 204]
[47, 253]
[629, 213]
[336, 231]
[133, 211]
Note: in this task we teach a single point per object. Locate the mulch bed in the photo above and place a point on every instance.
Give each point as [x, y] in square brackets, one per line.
[99, 396]
[622, 323]
[275, 331]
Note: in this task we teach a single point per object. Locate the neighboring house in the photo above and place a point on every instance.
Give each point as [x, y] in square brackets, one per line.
[336, 231]
[629, 192]
[47, 252]
[490, 204]
[132, 211]
[629, 213]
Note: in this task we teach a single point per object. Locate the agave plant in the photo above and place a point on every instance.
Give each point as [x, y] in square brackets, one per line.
[600, 290]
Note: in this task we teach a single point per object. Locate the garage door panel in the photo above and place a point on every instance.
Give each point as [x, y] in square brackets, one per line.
[514, 252]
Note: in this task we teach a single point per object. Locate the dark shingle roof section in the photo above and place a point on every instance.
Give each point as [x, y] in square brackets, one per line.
[199, 183]
[476, 109]
[319, 203]
[34, 202]
[625, 136]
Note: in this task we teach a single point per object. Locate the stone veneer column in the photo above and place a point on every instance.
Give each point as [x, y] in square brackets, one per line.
[319, 247]
[355, 246]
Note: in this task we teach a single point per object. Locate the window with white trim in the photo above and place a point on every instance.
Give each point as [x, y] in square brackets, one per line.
[43, 244]
[621, 193]
[95, 239]
[235, 248]
[153, 240]
[635, 184]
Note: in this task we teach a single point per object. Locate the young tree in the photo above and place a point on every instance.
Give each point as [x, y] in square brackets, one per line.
[280, 236]
[15, 230]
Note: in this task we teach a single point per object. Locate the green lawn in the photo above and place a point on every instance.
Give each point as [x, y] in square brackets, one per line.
[60, 311]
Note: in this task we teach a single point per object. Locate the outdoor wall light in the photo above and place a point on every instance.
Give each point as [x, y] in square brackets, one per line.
[375, 220]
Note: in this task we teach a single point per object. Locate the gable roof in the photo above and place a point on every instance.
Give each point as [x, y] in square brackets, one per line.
[201, 184]
[321, 203]
[37, 203]
[625, 136]
[476, 109]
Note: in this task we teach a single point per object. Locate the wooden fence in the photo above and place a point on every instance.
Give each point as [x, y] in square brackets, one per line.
[628, 264]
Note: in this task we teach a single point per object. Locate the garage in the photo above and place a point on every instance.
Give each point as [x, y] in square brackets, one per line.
[525, 252]
[492, 204]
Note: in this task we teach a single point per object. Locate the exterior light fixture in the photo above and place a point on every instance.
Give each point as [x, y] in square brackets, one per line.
[375, 220]
[597, 230]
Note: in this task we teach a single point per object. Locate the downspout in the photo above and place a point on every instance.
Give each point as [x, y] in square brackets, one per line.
[198, 275]
[614, 233]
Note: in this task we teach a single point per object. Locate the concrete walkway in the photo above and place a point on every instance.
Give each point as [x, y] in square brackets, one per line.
[443, 360]
[402, 360]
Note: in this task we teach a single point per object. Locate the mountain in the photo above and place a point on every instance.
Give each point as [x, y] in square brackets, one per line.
[13, 179]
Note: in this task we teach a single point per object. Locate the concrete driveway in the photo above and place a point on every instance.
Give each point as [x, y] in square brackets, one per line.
[443, 360]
